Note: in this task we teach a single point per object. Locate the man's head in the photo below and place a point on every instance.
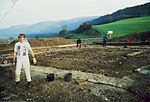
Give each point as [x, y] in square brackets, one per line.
[21, 37]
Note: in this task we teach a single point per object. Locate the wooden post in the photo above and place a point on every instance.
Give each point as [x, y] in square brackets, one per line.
[110, 32]
[110, 35]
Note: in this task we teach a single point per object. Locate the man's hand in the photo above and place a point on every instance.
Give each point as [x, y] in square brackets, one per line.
[14, 57]
[34, 60]
[13, 64]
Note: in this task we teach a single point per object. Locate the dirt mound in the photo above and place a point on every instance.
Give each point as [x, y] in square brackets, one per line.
[136, 37]
[42, 42]
[39, 42]
[13, 42]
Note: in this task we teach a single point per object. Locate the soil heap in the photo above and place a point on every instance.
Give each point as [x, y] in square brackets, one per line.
[136, 37]
[39, 42]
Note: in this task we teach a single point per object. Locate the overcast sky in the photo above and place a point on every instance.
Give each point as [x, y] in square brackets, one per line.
[34, 11]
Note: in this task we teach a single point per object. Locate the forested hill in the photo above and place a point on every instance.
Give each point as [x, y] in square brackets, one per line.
[131, 12]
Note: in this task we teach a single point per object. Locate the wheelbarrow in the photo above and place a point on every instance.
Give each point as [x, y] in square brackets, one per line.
[9, 69]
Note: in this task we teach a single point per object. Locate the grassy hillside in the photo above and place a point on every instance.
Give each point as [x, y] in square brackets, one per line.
[130, 12]
[124, 27]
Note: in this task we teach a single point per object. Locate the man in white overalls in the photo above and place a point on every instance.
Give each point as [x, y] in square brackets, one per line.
[21, 50]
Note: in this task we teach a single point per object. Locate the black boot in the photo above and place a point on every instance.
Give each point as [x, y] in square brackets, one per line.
[17, 84]
[29, 85]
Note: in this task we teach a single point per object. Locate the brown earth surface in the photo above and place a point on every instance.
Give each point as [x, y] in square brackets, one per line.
[95, 59]
[135, 37]
[110, 61]
[38, 42]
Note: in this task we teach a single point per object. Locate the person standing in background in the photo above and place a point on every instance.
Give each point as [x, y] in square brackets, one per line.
[105, 40]
[79, 43]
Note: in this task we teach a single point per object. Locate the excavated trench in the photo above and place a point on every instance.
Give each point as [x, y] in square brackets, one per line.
[118, 74]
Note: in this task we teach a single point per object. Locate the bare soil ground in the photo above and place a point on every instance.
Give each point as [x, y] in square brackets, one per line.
[111, 61]
[135, 37]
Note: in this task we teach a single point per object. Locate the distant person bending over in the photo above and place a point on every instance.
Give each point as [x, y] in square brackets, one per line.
[105, 40]
[79, 43]
[21, 51]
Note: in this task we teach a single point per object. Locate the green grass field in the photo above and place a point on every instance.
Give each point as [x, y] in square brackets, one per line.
[124, 27]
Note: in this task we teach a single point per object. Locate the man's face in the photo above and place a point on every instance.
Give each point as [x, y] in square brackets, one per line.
[21, 38]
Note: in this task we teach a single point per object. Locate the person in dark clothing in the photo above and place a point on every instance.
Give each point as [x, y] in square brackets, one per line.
[105, 40]
[79, 43]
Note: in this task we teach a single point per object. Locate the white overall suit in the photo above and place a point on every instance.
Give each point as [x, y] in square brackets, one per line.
[22, 60]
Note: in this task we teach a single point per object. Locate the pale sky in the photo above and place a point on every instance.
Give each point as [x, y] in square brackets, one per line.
[35, 11]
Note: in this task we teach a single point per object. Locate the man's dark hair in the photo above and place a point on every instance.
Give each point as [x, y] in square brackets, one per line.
[21, 35]
[79, 40]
